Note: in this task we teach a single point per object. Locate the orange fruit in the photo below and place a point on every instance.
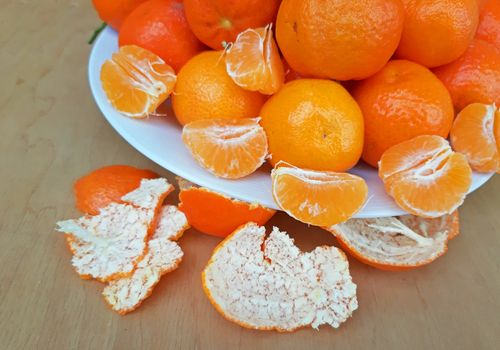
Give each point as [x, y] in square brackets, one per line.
[163, 255]
[481, 4]
[473, 135]
[114, 12]
[230, 149]
[437, 32]
[321, 198]
[161, 27]
[313, 124]
[474, 77]
[397, 243]
[216, 22]
[401, 101]
[254, 63]
[267, 283]
[425, 177]
[217, 215]
[290, 74]
[339, 39]
[106, 185]
[204, 90]
[136, 81]
[489, 23]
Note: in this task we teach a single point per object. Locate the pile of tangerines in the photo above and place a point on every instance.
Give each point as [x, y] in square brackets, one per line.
[314, 87]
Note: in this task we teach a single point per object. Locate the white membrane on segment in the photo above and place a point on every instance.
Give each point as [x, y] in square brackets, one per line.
[164, 255]
[109, 245]
[279, 287]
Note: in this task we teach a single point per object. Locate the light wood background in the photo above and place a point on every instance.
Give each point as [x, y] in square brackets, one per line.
[51, 133]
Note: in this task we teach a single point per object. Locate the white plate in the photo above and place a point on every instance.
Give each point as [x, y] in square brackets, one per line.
[159, 139]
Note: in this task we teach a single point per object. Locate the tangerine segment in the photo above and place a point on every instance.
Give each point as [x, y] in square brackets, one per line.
[164, 255]
[136, 81]
[318, 198]
[269, 284]
[229, 149]
[397, 243]
[217, 215]
[109, 245]
[108, 184]
[473, 136]
[253, 61]
[425, 177]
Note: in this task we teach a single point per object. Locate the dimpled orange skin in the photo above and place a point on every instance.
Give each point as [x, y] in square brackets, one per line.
[204, 90]
[339, 39]
[160, 26]
[218, 21]
[437, 32]
[400, 102]
[474, 77]
[114, 12]
[489, 23]
[313, 124]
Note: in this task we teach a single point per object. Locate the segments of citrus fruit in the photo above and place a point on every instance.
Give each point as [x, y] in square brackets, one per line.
[473, 136]
[229, 149]
[109, 245]
[163, 255]
[401, 101]
[217, 22]
[425, 177]
[397, 243]
[204, 90]
[319, 198]
[339, 39]
[217, 215]
[313, 124]
[136, 81]
[437, 32]
[474, 76]
[253, 61]
[269, 284]
[108, 184]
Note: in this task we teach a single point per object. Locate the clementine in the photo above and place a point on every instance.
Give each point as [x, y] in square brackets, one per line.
[114, 12]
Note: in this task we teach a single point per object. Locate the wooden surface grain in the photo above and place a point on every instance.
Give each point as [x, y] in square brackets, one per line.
[51, 133]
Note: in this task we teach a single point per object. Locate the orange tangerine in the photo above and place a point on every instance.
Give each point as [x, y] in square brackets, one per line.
[425, 177]
[253, 61]
[473, 135]
[227, 148]
[319, 198]
[136, 81]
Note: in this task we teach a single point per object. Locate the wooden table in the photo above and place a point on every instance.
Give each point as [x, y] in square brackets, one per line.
[51, 133]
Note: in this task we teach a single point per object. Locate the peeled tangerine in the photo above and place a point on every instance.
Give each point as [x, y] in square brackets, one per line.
[397, 243]
[425, 177]
[163, 255]
[254, 63]
[136, 81]
[321, 198]
[109, 245]
[229, 149]
[215, 214]
[476, 134]
[269, 284]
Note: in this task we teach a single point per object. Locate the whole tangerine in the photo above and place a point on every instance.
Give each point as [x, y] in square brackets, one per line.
[313, 124]
[403, 100]
[437, 32]
[339, 39]
[204, 90]
[216, 22]
[160, 26]
[115, 12]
